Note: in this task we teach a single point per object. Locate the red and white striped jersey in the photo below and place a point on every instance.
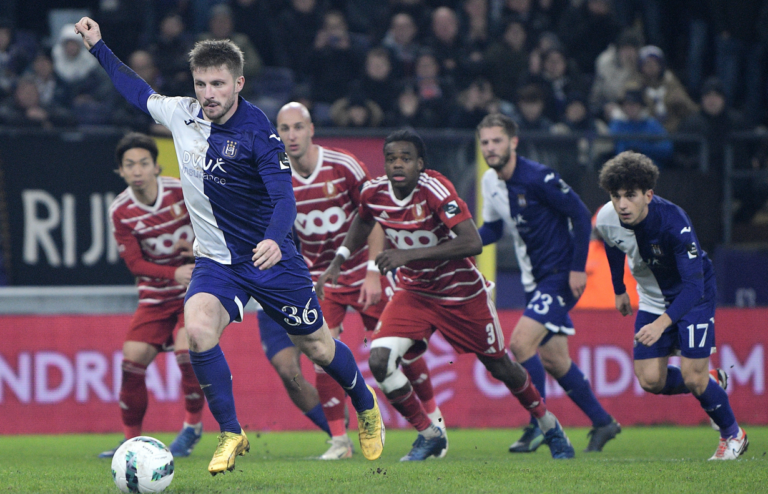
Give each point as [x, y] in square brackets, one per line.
[326, 204]
[424, 219]
[146, 235]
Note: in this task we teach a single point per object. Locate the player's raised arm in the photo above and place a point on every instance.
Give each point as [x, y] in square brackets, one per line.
[132, 87]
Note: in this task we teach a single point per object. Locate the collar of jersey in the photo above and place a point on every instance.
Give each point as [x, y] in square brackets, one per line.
[312, 176]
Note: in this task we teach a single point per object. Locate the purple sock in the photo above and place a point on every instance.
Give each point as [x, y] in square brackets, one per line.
[577, 387]
[715, 402]
[538, 377]
[317, 416]
[343, 369]
[215, 378]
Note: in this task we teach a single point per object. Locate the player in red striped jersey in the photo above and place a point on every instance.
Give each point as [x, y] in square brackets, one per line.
[154, 236]
[327, 184]
[438, 288]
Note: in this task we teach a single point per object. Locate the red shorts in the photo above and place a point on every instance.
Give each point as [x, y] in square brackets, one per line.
[335, 308]
[155, 324]
[471, 327]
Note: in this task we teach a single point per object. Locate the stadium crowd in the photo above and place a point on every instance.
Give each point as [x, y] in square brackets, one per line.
[602, 66]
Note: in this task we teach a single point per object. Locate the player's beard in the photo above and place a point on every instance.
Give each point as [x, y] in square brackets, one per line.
[224, 109]
[503, 160]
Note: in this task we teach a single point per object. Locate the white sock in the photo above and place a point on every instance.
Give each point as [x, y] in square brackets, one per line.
[548, 421]
[437, 418]
[431, 432]
[198, 427]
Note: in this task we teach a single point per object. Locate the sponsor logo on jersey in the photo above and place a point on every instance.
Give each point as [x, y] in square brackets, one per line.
[320, 221]
[451, 209]
[656, 249]
[403, 239]
[230, 150]
[521, 200]
[693, 252]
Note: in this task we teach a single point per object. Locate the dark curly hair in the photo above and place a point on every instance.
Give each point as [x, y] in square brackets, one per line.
[409, 135]
[629, 171]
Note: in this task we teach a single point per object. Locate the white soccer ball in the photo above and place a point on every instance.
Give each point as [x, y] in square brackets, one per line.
[142, 464]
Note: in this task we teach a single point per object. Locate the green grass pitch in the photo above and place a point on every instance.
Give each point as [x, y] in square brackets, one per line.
[640, 459]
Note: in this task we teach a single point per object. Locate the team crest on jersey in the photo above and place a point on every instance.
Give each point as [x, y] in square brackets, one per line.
[177, 210]
[230, 150]
[329, 189]
[418, 212]
[656, 249]
[521, 202]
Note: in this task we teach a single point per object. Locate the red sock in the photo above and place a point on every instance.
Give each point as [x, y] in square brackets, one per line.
[193, 394]
[133, 397]
[529, 397]
[332, 397]
[417, 373]
[410, 408]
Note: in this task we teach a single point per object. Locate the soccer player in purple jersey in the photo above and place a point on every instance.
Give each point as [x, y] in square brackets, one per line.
[551, 228]
[237, 188]
[666, 250]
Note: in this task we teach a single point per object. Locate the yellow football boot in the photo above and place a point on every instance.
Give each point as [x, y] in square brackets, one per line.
[371, 429]
[230, 446]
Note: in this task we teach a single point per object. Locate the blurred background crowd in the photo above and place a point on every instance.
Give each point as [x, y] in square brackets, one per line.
[603, 66]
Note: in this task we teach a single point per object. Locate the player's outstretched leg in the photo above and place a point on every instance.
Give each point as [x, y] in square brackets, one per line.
[416, 371]
[517, 380]
[344, 370]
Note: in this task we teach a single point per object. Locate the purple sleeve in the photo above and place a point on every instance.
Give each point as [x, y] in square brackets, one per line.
[490, 232]
[132, 87]
[280, 190]
[616, 262]
[563, 199]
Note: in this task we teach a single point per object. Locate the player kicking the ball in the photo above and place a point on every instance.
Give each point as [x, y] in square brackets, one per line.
[438, 288]
[236, 181]
[154, 237]
[677, 290]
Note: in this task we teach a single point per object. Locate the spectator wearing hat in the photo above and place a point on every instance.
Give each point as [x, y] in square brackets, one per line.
[668, 101]
[614, 68]
[637, 121]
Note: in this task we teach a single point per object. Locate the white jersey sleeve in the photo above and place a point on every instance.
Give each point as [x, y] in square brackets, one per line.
[163, 108]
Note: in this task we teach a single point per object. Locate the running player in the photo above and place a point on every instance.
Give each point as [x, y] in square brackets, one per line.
[327, 184]
[154, 237]
[237, 187]
[551, 228]
[438, 288]
[677, 290]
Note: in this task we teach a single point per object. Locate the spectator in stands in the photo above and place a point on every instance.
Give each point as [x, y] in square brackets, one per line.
[88, 86]
[553, 10]
[577, 118]
[356, 110]
[335, 59]
[636, 120]
[559, 76]
[170, 53]
[221, 25]
[401, 41]
[531, 103]
[377, 81]
[298, 25]
[50, 88]
[474, 27]
[255, 19]
[125, 114]
[587, 30]
[525, 12]
[445, 42]
[13, 58]
[739, 55]
[667, 99]
[573, 159]
[477, 101]
[24, 109]
[650, 14]
[411, 112]
[506, 61]
[614, 69]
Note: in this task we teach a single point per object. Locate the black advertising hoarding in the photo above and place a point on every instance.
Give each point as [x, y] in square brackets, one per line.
[57, 192]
